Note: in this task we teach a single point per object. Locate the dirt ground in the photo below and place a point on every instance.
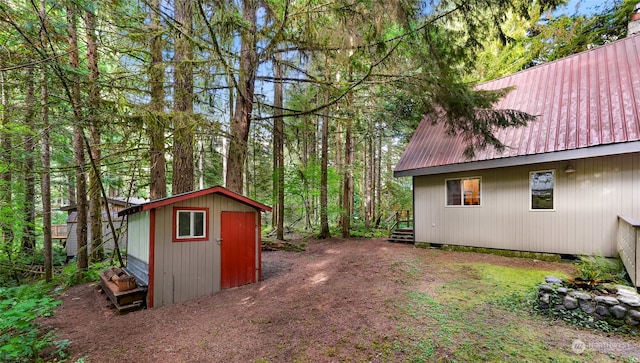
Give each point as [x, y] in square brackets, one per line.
[336, 301]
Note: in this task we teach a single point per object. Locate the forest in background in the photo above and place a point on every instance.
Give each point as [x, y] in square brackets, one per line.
[305, 106]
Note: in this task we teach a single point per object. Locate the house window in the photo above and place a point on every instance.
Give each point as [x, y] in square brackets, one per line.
[465, 191]
[541, 187]
[190, 224]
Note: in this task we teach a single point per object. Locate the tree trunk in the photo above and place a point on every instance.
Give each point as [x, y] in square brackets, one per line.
[78, 140]
[366, 186]
[304, 168]
[313, 155]
[183, 140]
[378, 173]
[324, 159]
[338, 154]
[46, 174]
[247, 174]
[347, 186]
[241, 121]
[95, 197]
[28, 237]
[5, 175]
[155, 124]
[71, 187]
[200, 164]
[46, 159]
[370, 164]
[278, 137]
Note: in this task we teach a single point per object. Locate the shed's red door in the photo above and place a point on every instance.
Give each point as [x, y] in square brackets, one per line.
[238, 249]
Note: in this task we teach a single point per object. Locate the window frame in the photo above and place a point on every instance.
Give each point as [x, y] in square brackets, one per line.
[191, 237]
[462, 205]
[553, 195]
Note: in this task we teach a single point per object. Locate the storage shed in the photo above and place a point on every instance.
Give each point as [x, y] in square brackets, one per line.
[108, 239]
[115, 205]
[194, 244]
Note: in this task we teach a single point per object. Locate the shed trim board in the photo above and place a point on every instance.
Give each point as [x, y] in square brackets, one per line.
[259, 232]
[152, 258]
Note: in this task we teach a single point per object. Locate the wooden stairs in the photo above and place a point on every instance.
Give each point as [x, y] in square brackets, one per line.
[400, 227]
[402, 235]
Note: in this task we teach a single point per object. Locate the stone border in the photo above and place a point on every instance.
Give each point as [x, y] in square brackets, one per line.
[621, 305]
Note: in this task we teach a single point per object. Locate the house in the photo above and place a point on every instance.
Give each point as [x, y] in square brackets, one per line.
[194, 244]
[115, 204]
[567, 183]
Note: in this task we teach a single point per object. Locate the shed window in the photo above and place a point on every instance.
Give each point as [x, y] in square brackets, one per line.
[541, 187]
[464, 191]
[190, 224]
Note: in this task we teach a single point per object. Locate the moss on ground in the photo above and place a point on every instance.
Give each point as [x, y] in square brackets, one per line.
[547, 257]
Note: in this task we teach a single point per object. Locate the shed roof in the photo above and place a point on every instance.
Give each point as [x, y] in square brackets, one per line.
[119, 201]
[585, 105]
[194, 194]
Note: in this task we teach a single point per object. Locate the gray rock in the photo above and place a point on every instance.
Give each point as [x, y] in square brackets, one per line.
[627, 293]
[629, 300]
[602, 311]
[545, 288]
[570, 303]
[631, 322]
[562, 290]
[609, 300]
[545, 298]
[587, 306]
[553, 280]
[626, 289]
[580, 295]
[634, 314]
[618, 311]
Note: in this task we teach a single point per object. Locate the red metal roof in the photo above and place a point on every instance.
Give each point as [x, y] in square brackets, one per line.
[586, 100]
[194, 194]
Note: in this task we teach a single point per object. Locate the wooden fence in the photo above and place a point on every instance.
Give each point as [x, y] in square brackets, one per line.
[628, 240]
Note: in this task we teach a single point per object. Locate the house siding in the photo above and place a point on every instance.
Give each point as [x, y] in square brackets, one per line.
[584, 220]
[186, 270]
[139, 234]
[71, 245]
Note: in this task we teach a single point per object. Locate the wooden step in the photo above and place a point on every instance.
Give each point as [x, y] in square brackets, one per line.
[403, 235]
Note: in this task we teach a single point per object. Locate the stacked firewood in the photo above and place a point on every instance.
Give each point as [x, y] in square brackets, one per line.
[123, 280]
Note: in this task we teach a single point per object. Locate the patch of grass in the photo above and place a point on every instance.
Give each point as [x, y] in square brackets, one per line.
[408, 270]
[483, 314]
[487, 282]
[468, 333]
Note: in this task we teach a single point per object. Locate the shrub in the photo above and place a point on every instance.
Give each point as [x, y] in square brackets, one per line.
[597, 268]
[21, 339]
